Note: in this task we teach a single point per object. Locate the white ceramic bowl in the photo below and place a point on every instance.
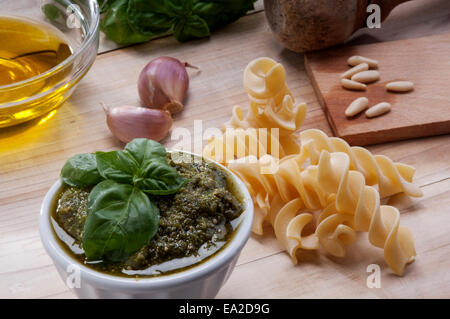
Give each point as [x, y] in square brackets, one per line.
[201, 281]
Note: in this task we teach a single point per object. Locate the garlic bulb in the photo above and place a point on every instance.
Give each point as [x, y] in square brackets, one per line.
[130, 122]
[163, 84]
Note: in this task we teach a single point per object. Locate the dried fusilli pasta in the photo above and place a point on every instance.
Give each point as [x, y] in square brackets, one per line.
[265, 82]
[239, 143]
[313, 172]
[271, 107]
[391, 178]
[287, 117]
[357, 206]
[347, 206]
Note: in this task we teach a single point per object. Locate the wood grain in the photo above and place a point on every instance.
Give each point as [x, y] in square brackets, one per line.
[423, 112]
[32, 154]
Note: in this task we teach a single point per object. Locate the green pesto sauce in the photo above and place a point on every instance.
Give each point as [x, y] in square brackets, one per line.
[194, 223]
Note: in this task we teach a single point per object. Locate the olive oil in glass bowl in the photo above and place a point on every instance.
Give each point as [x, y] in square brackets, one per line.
[46, 47]
[28, 49]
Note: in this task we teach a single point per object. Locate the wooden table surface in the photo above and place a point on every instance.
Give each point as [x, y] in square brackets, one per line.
[32, 154]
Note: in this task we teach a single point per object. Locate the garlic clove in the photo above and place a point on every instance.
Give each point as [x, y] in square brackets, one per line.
[163, 84]
[130, 122]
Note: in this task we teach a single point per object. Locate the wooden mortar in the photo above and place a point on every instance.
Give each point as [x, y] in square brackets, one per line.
[307, 25]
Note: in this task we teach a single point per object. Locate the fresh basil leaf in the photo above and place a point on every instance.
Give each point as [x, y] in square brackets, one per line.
[143, 149]
[143, 164]
[160, 179]
[203, 8]
[179, 8]
[156, 6]
[81, 171]
[191, 27]
[121, 220]
[116, 26]
[221, 12]
[150, 17]
[134, 21]
[117, 166]
[155, 175]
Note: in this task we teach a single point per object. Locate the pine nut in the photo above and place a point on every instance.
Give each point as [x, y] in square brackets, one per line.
[357, 59]
[378, 109]
[356, 69]
[357, 106]
[353, 85]
[400, 86]
[366, 76]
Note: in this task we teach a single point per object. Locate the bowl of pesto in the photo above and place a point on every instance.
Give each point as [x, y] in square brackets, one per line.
[144, 222]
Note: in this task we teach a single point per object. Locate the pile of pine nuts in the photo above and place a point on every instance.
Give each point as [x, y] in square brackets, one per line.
[357, 79]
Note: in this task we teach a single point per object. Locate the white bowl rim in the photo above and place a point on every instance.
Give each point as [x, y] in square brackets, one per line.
[219, 260]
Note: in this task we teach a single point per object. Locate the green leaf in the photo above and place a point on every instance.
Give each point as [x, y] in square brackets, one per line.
[155, 175]
[133, 21]
[190, 28]
[160, 179]
[143, 149]
[116, 26]
[221, 12]
[156, 6]
[179, 8]
[150, 17]
[143, 164]
[117, 166]
[81, 171]
[205, 9]
[121, 220]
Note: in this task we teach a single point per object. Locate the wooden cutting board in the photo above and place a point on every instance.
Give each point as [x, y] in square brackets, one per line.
[422, 112]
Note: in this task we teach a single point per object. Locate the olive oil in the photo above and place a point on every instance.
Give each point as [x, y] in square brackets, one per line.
[31, 50]
[28, 48]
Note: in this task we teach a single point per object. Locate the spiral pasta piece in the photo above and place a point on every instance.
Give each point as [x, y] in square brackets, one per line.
[288, 222]
[271, 103]
[265, 82]
[280, 196]
[268, 193]
[357, 208]
[272, 107]
[391, 178]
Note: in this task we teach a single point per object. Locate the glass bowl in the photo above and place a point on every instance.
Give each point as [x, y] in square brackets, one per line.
[78, 21]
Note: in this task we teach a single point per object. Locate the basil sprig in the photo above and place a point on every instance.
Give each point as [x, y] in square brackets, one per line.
[132, 21]
[121, 218]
